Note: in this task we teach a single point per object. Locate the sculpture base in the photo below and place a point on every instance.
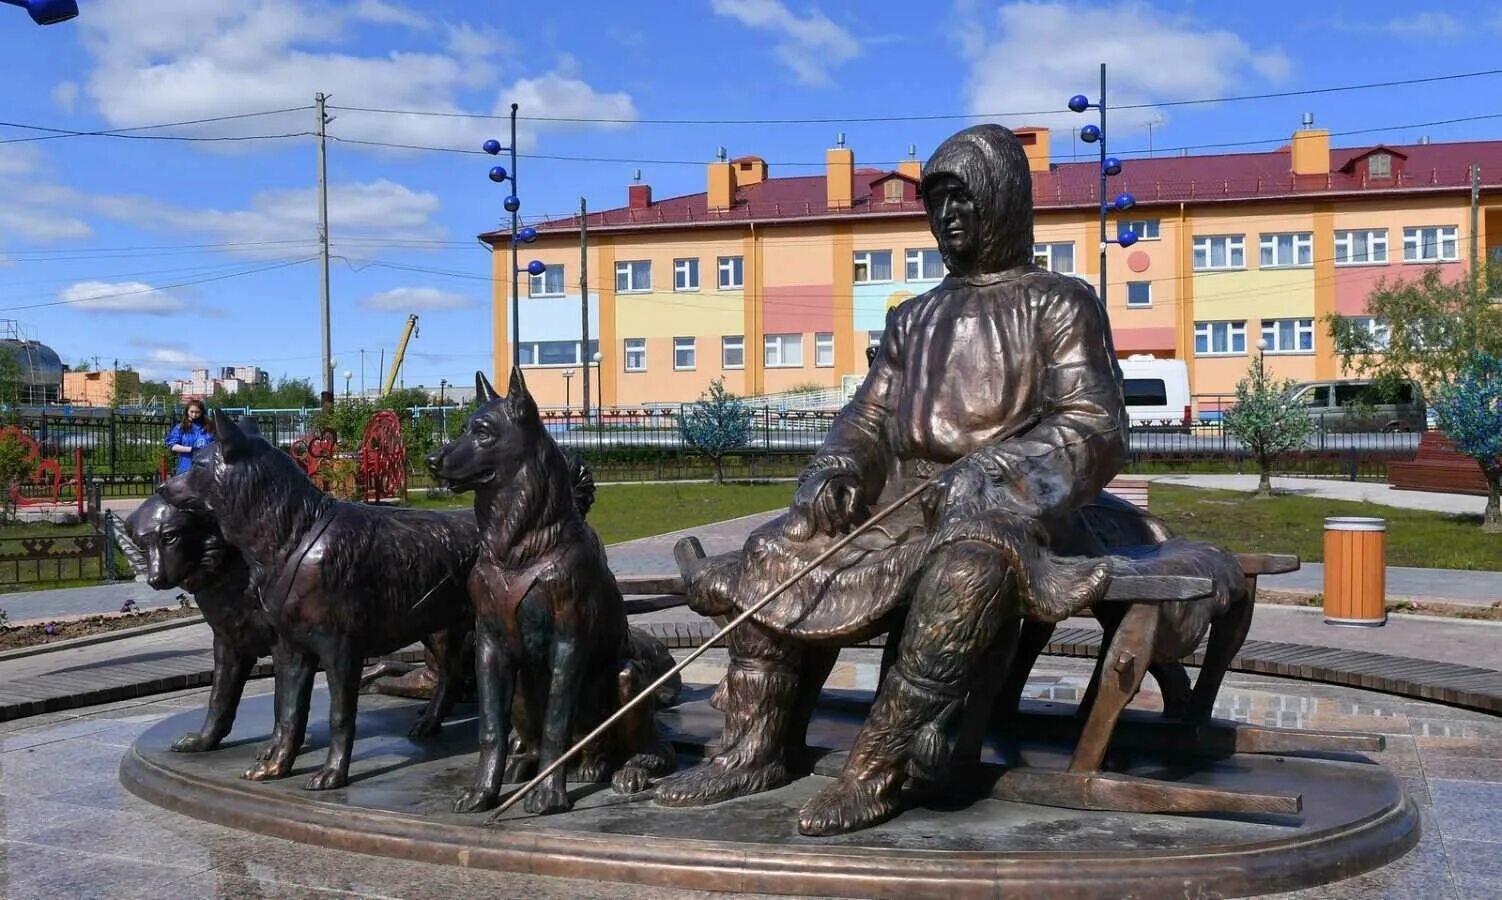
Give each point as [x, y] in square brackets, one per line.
[1355, 817]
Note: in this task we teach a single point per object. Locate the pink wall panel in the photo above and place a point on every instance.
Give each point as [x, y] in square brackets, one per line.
[1138, 340]
[799, 308]
[1354, 283]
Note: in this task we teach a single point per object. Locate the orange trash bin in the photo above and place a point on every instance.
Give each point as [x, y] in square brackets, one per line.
[1355, 571]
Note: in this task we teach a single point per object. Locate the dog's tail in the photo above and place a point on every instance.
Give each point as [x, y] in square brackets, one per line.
[582, 480]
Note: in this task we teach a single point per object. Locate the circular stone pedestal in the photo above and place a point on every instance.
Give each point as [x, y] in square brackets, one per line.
[1355, 817]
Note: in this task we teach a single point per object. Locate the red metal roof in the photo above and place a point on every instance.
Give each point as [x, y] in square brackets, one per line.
[1156, 180]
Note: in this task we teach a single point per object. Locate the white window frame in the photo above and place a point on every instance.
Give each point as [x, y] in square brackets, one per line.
[1142, 227]
[1143, 305]
[1371, 167]
[1376, 247]
[537, 285]
[628, 269]
[1377, 327]
[1205, 244]
[690, 346]
[913, 260]
[637, 347]
[775, 347]
[1272, 333]
[1047, 252]
[868, 259]
[1299, 245]
[823, 349]
[1446, 237]
[686, 274]
[533, 350]
[737, 343]
[1233, 330]
[873, 338]
[729, 278]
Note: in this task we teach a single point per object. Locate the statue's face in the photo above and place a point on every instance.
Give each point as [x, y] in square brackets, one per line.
[953, 218]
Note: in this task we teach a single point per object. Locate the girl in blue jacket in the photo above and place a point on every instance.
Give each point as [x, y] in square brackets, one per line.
[194, 431]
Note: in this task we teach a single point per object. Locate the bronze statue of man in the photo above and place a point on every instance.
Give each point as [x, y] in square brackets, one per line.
[1003, 381]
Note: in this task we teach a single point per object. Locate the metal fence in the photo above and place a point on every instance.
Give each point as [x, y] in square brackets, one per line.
[127, 452]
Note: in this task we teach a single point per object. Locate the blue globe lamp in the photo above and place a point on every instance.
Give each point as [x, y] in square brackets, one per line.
[1112, 166]
[1127, 237]
[536, 267]
[47, 12]
[1079, 103]
[1090, 134]
[527, 235]
[498, 174]
[491, 146]
[1124, 202]
[512, 203]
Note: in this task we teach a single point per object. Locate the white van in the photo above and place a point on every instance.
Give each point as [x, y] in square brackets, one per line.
[1156, 390]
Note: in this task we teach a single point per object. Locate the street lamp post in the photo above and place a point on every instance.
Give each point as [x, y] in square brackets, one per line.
[1109, 166]
[47, 12]
[347, 376]
[568, 376]
[443, 409]
[599, 386]
[519, 235]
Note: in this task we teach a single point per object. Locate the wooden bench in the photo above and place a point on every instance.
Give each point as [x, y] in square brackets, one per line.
[1131, 488]
[1438, 467]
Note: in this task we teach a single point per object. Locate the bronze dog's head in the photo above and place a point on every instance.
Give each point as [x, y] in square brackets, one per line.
[496, 440]
[183, 549]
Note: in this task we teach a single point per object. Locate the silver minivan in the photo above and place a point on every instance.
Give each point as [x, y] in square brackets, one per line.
[1354, 404]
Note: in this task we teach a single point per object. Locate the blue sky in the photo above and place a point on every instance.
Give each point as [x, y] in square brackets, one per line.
[170, 253]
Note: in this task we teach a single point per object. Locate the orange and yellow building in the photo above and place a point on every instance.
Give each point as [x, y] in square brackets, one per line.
[781, 282]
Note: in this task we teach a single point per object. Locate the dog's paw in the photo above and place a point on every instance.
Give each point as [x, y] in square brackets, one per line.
[327, 778]
[630, 779]
[592, 770]
[193, 742]
[267, 769]
[474, 800]
[546, 799]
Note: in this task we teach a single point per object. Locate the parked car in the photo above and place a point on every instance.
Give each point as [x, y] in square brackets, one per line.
[1157, 391]
[1354, 404]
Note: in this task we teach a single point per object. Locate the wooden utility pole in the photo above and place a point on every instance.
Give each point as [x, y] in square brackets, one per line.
[1475, 222]
[323, 250]
[584, 354]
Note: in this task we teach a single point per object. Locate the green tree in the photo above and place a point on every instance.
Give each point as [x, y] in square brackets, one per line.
[1470, 411]
[1266, 420]
[15, 466]
[716, 424]
[289, 393]
[10, 386]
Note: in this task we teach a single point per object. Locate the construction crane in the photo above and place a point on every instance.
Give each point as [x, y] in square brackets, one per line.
[401, 350]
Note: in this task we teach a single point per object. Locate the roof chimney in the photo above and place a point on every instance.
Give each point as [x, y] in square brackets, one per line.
[1424, 139]
[638, 195]
[1034, 142]
[1310, 149]
[750, 170]
[721, 182]
[839, 176]
[911, 167]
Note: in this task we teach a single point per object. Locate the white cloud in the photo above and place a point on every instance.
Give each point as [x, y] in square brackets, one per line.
[284, 222]
[228, 56]
[65, 95]
[120, 297]
[1034, 56]
[1426, 24]
[809, 45]
[19, 159]
[165, 361]
[409, 299]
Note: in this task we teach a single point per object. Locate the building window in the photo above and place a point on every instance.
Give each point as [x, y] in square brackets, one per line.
[1139, 293]
[549, 283]
[1362, 247]
[686, 274]
[874, 338]
[1286, 250]
[732, 273]
[1219, 338]
[783, 351]
[1145, 229]
[1288, 335]
[733, 351]
[1379, 165]
[1374, 326]
[552, 353]
[633, 276]
[1219, 251]
[824, 349]
[636, 354]
[873, 265]
[683, 353]
[892, 191]
[924, 265]
[1056, 257]
[1430, 244]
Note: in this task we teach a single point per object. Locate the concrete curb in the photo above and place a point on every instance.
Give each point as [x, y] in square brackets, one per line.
[89, 639]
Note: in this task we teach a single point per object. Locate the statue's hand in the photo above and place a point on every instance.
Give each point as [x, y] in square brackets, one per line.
[827, 502]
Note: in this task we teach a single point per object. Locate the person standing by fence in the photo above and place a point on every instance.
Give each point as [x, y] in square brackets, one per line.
[194, 431]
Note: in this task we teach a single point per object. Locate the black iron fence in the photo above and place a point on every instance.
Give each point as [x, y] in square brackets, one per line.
[127, 453]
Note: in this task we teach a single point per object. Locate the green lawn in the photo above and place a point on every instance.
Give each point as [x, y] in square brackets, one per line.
[626, 511]
[1294, 524]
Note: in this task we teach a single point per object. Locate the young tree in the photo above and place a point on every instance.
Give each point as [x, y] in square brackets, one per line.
[716, 424]
[1470, 411]
[15, 466]
[1266, 420]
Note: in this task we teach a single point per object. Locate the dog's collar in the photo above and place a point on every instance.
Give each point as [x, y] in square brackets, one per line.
[284, 578]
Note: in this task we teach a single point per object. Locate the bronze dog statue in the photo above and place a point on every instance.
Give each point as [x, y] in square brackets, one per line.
[186, 550]
[550, 621]
[340, 581]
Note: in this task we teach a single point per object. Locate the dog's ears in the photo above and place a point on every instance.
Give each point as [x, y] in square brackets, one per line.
[483, 389]
[227, 431]
[520, 398]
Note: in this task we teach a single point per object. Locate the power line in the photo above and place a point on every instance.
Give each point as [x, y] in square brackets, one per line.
[128, 132]
[140, 248]
[280, 265]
